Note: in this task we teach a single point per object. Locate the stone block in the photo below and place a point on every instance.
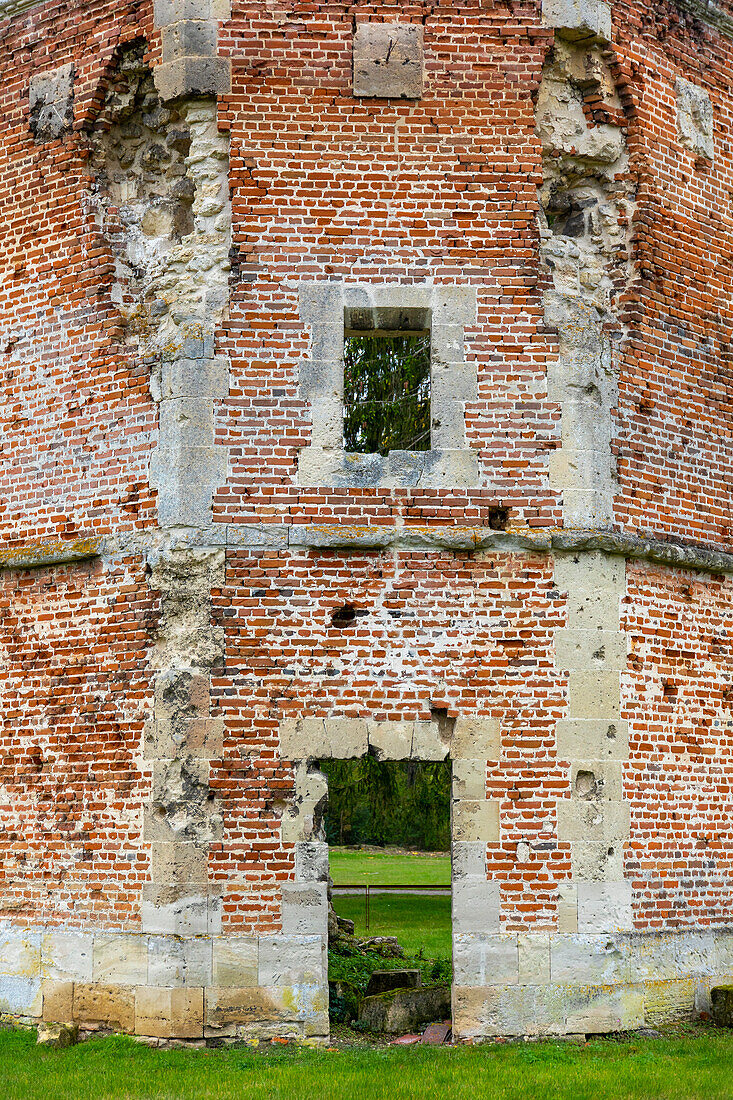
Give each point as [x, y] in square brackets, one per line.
[468, 858]
[384, 981]
[57, 1036]
[476, 820]
[597, 861]
[695, 120]
[193, 76]
[567, 907]
[669, 1001]
[67, 956]
[321, 303]
[722, 1005]
[592, 821]
[120, 959]
[175, 961]
[580, 18]
[474, 738]
[171, 11]
[242, 1007]
[586, 960]
[189, 38]
[391, 740]
[577, 648]
[52, 103]
[104, 1006]
[595, 695]
[475, 906]
[182, 862]
[427, 742]
[604, 907]
[479, 1012]
[169, 1013]
[58, 1001]
[592, 739]
[534, 958]
[603, 1008]
[481, 959]
[20, 954]
[332, 738]
[304, 909]
[469, 779]
[291, 960]
[311, 861]
[597, 780]
[20, 996]
[388, 60]
[405, 1009]
[595, 583]
[194, 915]
[235, 962]
[203, 378]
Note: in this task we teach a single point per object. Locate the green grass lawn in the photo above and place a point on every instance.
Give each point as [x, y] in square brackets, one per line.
[417, 922]
[698, 1066]
[349, 866]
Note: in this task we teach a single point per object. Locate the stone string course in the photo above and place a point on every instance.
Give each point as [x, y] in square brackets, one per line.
[202, 201]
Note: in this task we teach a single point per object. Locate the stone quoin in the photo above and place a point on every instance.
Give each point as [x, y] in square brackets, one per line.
[202, 199]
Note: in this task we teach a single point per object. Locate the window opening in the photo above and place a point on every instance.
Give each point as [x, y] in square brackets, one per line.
[387, 393]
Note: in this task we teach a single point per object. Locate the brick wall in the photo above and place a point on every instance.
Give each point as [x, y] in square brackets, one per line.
[557, 625]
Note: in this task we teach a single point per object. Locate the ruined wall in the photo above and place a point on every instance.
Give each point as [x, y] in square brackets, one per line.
[544, 597]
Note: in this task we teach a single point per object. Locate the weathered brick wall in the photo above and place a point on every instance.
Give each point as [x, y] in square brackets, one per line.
[548, 606]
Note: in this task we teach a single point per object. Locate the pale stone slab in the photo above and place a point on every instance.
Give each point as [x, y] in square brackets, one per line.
[594, 695]
[583, 18]
[567, 907]
[469, 779]
[120, 959]
[388, 60]
[475, 738]
[476, 905]
[534, 958]
[476, 820]
[468, 858]
[427, 743]
[304, 909]
[67, 956]
[592, 821]
[235, 961]
[576, 648]
[695, 119]
[330, 738]
[480, 959]
[391, 740]
[596, 1011]
[107, 1006]
[604, 906]
[597, 861]
[592, 739]
[20, 954]
[169, 1013]
[291, 960]
[586, 960]
[597, 780]
[175, 961]
[20, 995]
[311, 862]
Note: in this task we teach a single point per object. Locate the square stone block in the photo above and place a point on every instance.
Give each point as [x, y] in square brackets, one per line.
[58, 1002]
[388, 60]
[236, 961]
[104, 1006]
[476, 820]
[475, 906]
[52, 103]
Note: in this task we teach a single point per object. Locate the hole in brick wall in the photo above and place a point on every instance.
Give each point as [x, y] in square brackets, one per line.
[344, 616]
[388, 824]
[386, 393]
[669, 689]
[498, 518]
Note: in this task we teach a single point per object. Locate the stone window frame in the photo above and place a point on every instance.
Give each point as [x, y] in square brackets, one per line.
[448, 310]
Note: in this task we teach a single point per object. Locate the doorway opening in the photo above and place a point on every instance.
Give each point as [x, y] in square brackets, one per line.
[388, 826]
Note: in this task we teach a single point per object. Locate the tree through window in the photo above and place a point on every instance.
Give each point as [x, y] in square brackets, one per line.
[387, 393]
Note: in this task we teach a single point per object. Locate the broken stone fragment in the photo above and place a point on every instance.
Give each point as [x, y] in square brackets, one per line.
[384, 981]
[405, 1009]
[57, 1036]
[722, 1001]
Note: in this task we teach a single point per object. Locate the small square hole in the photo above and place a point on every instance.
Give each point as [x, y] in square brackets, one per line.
[387, 393]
